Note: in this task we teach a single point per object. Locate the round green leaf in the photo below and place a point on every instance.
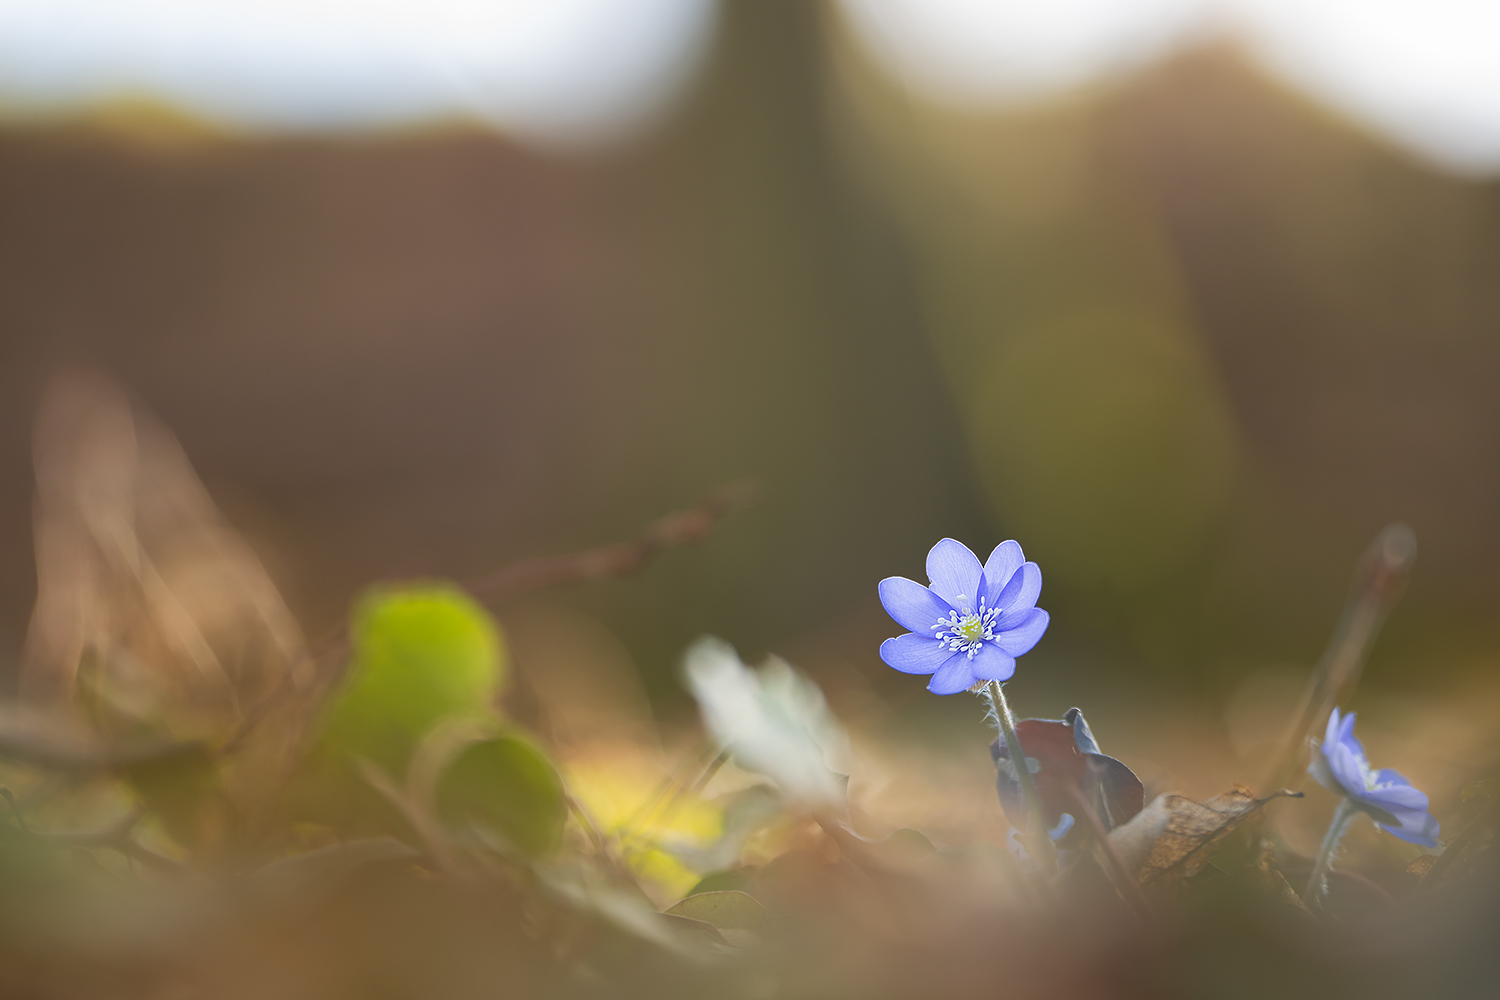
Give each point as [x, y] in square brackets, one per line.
[420, 654]
[508, 785]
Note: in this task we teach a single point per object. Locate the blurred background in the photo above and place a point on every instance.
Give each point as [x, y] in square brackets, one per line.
[1191, 298]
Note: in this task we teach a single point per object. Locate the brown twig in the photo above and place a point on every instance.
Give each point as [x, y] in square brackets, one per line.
[1124, 881]
[15, 809]
[257, 712]
[622, 560]
[1379, 579]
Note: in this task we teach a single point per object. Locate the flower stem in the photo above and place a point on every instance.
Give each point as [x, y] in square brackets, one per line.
[1317, 884]
[1039, 844]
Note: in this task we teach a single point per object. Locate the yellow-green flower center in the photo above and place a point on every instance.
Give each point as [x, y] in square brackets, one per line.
[967, 632]
[971, 628]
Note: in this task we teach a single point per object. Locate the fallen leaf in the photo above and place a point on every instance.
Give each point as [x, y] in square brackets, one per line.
[1172, 839]
[153, 616]
[1422, 865]
[141, 581]
[729, 909]
[1063, 755]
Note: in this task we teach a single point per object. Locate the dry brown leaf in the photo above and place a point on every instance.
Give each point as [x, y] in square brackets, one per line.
[1422, 865]
[139, 576]
[150, 608]
[1172, 839]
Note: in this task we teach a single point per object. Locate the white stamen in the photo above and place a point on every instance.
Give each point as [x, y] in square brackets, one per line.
[967, 633]
[1368, 774]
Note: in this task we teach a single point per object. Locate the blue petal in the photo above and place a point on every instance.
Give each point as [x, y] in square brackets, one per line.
[1387, 776]
[1394, 795]
[1027, 633]
[912, 605]
[1020, 594]
[914, 654]
[1346, 732]
[990, 664]
[1331, 732]
[1345, 768]
[999, 568]
[954, 572]
[954, 676]
[1415, 827]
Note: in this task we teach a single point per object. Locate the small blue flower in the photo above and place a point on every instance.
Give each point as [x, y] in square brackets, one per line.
[1339, 765]
[971, 623]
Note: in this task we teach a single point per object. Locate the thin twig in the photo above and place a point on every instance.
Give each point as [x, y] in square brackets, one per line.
[590, 828]
[1379, 579]
[709, 772]
[621, 560]
[1124, 881]
[652, 802]
[256, 714]
[15, 808]
[669, 808]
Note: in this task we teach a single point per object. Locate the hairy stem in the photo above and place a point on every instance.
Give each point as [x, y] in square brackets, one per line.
[1317, 884]
[1038, 842]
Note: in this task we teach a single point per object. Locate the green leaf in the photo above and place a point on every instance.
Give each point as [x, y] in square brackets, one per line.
[729, 909]
[508, 785]
[420, 654]
[729, 878]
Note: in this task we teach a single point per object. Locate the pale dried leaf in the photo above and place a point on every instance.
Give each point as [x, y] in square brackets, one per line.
[1422, 866]
[774, 720]
[151, 611]
[145, 596]
[1172, 839]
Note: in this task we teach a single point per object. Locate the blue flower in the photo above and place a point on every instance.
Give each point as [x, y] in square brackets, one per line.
[1339, 765]
[971, 623]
